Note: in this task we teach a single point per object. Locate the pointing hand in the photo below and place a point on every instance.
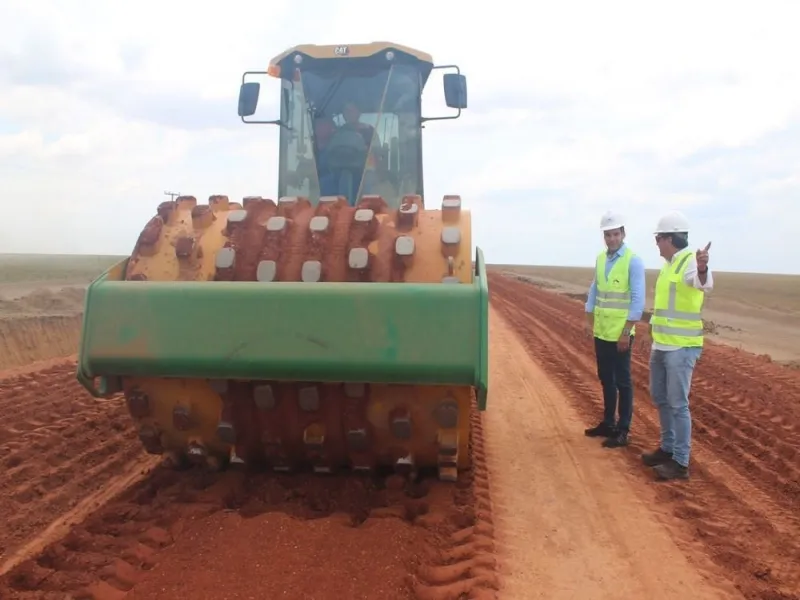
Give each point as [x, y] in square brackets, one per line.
[702, 257]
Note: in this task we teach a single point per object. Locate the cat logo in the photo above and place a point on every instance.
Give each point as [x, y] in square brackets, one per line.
[341, 50]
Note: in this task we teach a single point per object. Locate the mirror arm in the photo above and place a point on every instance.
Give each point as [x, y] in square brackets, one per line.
[458, 71]
[273, 122]
[246, 73]
[424, 119]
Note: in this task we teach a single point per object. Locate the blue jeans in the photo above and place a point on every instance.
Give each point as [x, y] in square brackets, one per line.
[670, 383]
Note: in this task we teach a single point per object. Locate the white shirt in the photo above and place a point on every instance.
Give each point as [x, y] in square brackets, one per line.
[690, 277]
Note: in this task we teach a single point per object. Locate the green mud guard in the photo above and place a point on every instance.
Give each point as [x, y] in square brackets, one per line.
[427, 334]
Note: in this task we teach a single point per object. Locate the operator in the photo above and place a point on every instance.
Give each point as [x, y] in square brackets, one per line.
[614, 305]
[352, 114]
[677, 330]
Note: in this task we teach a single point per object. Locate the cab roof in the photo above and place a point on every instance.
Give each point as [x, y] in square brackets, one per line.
[340, 51]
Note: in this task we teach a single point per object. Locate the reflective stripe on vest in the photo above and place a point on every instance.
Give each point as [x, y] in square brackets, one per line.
[613, 299]
[672, 323]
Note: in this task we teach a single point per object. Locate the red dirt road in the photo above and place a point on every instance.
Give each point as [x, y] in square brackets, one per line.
[570, 521]
[742, 506]
[88, 515]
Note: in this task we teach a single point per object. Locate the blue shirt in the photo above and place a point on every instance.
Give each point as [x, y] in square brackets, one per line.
[637, 283]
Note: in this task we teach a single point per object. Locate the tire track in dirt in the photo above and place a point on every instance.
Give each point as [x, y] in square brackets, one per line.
[461, 562]
[77, 532]
[59, 449]
[742, 501]
[760, 370]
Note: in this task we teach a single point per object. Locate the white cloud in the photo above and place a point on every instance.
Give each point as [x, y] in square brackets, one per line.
[575, 107]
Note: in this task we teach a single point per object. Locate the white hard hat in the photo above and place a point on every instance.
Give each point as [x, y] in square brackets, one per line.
[611, 220]
[673, 222]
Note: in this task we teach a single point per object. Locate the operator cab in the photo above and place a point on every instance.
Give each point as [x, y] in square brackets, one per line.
[350, 119]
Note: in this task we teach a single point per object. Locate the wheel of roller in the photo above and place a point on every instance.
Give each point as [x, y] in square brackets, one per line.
[357, 425]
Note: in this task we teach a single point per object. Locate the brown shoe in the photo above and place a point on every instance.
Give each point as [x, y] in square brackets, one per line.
[659, 457]
[671, 470]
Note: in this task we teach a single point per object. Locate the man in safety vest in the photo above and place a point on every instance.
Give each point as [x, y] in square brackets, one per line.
[677, 330]
[615, 303]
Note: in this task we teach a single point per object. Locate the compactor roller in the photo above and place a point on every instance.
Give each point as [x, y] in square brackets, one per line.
[343, 326]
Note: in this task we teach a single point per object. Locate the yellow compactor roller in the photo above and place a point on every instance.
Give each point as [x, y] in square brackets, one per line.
[343, 326]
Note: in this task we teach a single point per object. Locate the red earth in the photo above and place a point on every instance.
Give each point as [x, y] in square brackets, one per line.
[88, 515]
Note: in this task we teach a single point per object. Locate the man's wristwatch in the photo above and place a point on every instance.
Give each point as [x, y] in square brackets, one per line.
[626, 332]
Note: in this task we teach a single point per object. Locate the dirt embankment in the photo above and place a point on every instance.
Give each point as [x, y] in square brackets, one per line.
[743, 502]
[24, 340]
[46, 300]
[41, 324]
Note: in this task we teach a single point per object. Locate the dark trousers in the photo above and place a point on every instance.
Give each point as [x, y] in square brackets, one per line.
[614, 372]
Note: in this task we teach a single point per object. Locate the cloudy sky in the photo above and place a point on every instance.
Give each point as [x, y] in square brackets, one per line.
[576, 107]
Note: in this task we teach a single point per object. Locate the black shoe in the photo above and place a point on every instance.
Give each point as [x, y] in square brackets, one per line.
[671, 470]
[602, 430]
[619, 439]
[659, 457]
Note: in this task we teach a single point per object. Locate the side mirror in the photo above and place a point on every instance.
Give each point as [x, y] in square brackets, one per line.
[455, 90]
[248, 98]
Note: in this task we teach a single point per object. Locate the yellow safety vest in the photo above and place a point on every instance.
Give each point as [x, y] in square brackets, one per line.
[613, 301]
[677, 309]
